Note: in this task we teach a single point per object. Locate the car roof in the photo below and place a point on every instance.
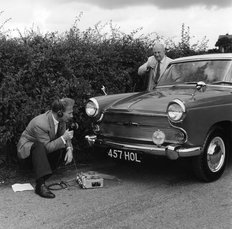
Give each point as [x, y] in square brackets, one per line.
[215, 56]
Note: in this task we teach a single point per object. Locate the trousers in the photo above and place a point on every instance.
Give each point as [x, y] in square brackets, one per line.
[41, 162]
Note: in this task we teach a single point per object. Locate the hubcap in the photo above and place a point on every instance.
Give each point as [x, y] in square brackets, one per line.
[216, 154]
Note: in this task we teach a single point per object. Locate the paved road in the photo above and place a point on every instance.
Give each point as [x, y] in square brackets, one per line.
[157, 194]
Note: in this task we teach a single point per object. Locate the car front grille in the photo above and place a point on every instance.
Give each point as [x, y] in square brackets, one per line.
[138, 128]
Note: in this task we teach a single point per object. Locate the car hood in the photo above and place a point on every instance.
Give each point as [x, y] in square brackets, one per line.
[156, 101]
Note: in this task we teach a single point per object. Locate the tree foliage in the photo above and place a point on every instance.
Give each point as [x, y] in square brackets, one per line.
[185, 47]
[225, 42]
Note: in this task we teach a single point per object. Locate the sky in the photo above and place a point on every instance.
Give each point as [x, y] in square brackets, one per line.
[205, 18]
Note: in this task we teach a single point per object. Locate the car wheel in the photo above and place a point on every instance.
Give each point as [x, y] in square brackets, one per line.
[210, 165]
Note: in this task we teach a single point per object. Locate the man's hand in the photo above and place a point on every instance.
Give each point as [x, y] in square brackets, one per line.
[151, 62]
[68, 156]
[68, 135]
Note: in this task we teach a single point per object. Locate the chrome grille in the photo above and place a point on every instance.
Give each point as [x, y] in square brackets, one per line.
[134, 127]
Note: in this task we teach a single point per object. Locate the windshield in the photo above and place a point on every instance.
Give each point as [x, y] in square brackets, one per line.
[209, 71]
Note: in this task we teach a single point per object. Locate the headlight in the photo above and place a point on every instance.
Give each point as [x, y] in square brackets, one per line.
[176, 110]
[92, 108]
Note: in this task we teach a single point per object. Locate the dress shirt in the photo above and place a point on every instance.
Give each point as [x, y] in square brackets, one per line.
[56, 123]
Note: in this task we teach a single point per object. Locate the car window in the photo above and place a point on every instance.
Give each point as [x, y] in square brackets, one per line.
[189, 72]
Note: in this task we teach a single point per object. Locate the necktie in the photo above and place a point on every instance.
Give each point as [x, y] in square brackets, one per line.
[59, 129]
[157, 73]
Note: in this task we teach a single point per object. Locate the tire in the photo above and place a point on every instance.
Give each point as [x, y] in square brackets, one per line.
[210, 165]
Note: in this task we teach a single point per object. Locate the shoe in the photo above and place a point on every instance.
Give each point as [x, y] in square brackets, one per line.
[43, 191]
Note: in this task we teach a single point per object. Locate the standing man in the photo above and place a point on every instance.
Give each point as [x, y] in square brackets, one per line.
[155, 64]
[42, 141]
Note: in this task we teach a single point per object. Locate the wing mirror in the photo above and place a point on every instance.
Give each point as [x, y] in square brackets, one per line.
[201, 86]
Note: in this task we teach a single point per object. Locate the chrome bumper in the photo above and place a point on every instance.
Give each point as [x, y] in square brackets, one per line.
[171, 151]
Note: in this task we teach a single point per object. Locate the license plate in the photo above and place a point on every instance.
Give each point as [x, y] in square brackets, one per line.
[124, 155]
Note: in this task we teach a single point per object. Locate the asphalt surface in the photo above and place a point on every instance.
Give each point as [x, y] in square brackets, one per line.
[155, 194]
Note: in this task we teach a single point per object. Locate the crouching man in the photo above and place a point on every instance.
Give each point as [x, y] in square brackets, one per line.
[43, 141]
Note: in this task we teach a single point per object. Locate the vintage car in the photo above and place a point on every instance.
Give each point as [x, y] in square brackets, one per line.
[188, 114]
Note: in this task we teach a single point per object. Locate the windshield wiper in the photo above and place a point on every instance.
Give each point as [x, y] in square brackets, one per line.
[222, 82]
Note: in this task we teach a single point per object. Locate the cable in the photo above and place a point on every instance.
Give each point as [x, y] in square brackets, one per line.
[62, 184]
[58, 186]
[85, 180]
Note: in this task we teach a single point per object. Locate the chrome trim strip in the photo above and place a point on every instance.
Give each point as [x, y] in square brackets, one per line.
[181, 103]
[101, 117]
[181, 129]
[123, 112]
[128, 124]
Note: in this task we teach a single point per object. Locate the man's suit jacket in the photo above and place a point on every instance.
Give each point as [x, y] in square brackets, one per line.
[164, 63]
[41, 129]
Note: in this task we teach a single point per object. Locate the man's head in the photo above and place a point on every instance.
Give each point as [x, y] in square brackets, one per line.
[63, 109]
[159, 51]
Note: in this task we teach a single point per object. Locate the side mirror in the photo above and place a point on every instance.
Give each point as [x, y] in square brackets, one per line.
[201, 86]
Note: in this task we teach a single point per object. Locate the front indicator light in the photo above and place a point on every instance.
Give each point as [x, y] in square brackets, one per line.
[180, 137]
[158, 137]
